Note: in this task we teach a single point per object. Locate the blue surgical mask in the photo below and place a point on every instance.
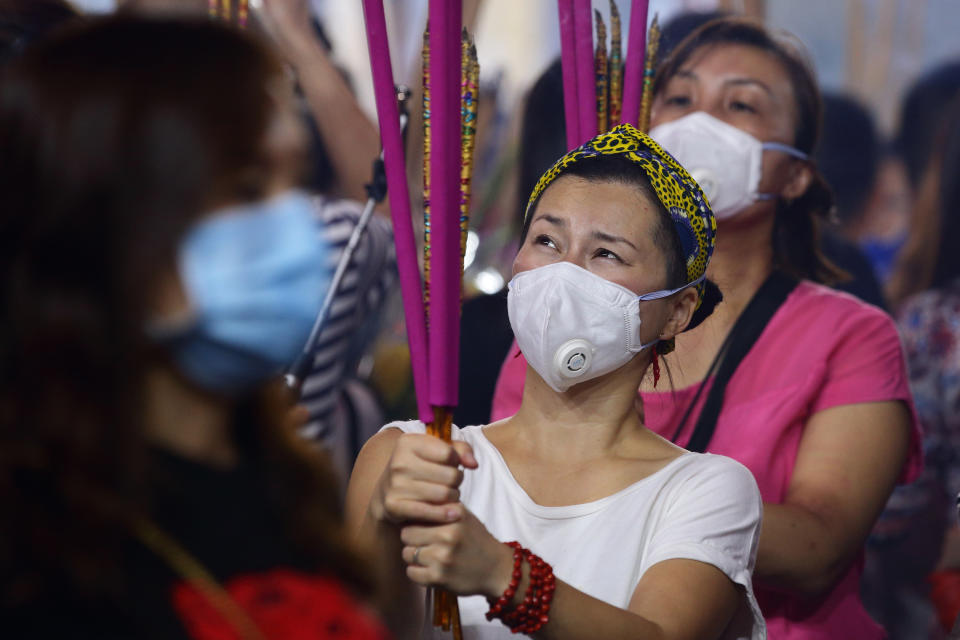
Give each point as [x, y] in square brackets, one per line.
[255, 276]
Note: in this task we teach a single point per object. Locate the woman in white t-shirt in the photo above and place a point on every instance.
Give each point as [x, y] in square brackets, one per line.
[628, 535]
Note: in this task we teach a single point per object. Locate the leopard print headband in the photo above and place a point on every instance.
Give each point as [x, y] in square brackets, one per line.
[680, 194]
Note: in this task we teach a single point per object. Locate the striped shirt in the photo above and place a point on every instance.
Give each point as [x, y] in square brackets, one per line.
[354, 314]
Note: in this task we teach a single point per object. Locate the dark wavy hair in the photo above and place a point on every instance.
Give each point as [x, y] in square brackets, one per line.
[114, 137]
[796, 229]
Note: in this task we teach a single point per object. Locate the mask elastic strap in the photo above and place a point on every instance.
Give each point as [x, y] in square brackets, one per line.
[659, 295]
[648, 345]
[785, 148]
[666, 293]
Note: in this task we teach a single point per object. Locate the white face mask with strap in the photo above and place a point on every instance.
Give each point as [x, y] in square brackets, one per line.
[725, 161]
[572, 325]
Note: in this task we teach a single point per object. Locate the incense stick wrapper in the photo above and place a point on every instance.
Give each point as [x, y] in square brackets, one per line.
[586, 93]
[425, 67]
[399, 194]
[633, 68]
[469, 87]
[616, 66]
[650, 65]
[600, 64]
[568, 62]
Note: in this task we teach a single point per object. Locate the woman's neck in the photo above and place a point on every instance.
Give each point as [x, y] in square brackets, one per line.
[187, 421]
[741, 262]
[588, 421]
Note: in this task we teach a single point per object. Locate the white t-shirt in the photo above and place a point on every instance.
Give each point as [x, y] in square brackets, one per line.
[698, 507]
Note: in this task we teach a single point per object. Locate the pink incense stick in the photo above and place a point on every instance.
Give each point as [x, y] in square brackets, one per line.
[586, 91]
[399, 194]
[445, 264]
[633, 67]
[568, 62]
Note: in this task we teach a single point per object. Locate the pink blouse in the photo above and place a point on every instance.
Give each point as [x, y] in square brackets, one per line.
[821, 349]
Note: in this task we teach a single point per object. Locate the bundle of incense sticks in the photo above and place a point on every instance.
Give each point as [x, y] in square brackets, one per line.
[445, 24]
[450, 99]
[599, 90]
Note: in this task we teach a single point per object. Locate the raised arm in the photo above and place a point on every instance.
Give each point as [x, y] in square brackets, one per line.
[352, 140]
[849, 460]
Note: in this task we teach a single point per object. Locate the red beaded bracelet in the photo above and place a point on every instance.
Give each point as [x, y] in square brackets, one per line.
[533, 611]
[496, 609]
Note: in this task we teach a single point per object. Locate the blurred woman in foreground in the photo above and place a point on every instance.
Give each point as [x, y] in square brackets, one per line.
[158, 269]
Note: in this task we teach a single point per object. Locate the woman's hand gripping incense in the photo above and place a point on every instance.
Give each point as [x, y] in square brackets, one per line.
[420, 483]
[444, 544]
[460, 556]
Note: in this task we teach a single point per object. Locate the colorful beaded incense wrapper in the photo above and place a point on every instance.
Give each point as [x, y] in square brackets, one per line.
[469, 99]
[616, 66]
[600, 64]
[649, 68]
[425, 72]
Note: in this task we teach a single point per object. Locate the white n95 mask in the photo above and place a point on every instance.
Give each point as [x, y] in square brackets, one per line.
[725, 161]
[572, 325]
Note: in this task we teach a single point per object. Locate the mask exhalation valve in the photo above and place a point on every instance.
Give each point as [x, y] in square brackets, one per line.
[573, 358]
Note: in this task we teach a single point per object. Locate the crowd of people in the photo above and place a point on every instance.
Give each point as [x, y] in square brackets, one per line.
[719, 397]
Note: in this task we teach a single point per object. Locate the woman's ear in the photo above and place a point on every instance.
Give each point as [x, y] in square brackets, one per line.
[800, 177]
[683, 304]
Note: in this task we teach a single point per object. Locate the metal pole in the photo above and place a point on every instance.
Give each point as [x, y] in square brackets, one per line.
[376, 190]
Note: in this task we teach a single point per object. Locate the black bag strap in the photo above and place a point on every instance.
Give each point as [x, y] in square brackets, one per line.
[744, 334]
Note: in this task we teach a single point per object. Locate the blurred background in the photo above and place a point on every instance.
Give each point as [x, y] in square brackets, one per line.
[871, 48]
[868, 54]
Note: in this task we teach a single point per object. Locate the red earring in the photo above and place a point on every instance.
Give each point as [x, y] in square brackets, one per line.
[656, 367]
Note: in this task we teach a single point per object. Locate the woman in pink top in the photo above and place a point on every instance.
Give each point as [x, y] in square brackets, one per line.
[819, 408]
